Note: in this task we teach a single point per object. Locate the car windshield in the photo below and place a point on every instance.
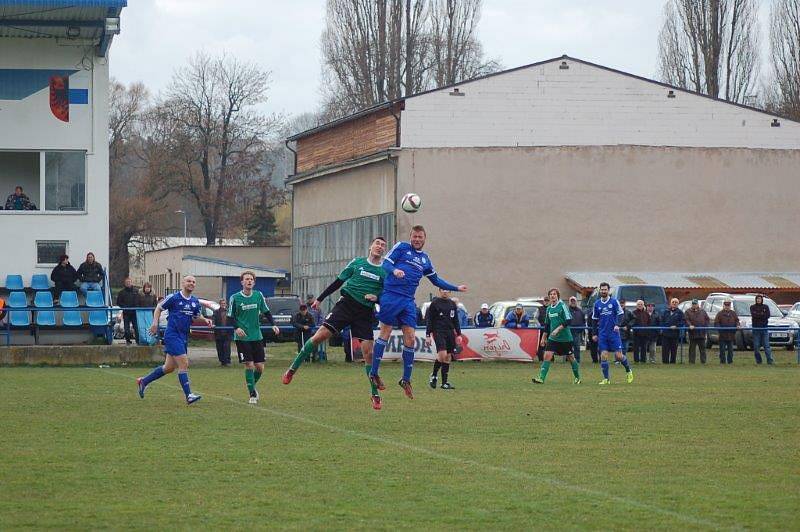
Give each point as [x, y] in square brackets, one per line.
[742, 308]
[283, 305]
[648, 294]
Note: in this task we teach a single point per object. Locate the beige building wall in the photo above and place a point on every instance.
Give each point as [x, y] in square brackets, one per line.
[510, 222]
[354, 193]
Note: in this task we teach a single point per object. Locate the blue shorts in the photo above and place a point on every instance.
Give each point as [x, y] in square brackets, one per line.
[397, 310]
[609, 342]
[176, 345]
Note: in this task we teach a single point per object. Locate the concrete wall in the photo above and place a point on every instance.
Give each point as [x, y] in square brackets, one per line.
[35, 128]
[509, 222]
[362, 191]
[584, 105]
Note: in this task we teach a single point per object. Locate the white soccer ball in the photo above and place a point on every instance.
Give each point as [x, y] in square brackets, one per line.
[411, 202]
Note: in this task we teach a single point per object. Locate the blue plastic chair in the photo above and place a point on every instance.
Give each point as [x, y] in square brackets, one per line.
[39, 281]
[69, 299]
[70, 318]
[94, 298]
[18, 318]
[14, 282]
[44, 299]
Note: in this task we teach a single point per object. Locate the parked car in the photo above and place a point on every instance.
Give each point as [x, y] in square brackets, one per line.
[785, 309]
[500, 309]
[741, 305]
[631, 293]
[794, 313]
[283, 309]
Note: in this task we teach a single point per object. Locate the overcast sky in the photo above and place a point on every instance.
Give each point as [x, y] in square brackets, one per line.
[282, 36]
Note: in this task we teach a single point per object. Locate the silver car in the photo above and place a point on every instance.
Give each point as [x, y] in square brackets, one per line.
[784, 336]
[794, 313]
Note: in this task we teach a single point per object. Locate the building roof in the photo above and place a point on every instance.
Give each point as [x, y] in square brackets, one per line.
[211, 267]
[77, 20]
[719, 281]
[390, 103]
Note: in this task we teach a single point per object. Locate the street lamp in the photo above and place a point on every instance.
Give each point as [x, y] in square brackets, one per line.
[185, 234]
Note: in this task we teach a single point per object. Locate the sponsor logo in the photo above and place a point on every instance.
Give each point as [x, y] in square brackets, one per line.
[249, 306]
[369, 275]
[492, 343]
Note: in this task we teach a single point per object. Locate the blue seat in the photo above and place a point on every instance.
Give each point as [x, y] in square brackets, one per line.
[44, 299]
[39, 281]
[69, 299]
[14, 282]
[18, 318]
[94, 298]
[99, 318]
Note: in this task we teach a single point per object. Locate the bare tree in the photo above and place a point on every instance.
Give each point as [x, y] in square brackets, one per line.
[710, 47]
[784, 35]
[212, 136]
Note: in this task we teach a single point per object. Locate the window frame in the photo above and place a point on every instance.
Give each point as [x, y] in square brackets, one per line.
[43, 186]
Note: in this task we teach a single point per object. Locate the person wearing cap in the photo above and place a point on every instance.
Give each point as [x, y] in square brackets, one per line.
[304, 325]
[697, 320]
[726, 318]
[484, 318]
[577, 325]
[517, 318]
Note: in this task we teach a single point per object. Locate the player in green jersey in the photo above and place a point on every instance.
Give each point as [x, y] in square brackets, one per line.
[246, 308]
[556, 336]
[361, 283]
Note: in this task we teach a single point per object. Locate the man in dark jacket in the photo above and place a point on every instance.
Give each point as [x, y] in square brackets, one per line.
[760, 314]
[652, 339]
[304, 325]
[577, 325]
[19, 201]
[484, 318]
[443, 329]
[591, 344]
[674, 320]
[641, 337]
[90, 274]
[726, 318]
[697, 320]
[63, 277]
[129, 297]
[625, 326]
[222, 337]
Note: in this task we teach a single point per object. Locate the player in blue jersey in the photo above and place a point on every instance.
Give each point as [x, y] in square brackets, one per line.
[606, 316]
[406, 265]
[182, 307]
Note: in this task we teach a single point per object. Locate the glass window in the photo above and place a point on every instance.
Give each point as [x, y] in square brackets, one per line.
[65, 181]
[48, 251]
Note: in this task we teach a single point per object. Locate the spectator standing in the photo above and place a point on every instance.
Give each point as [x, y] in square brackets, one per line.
[63, 276]
[19, 201]
[654, 333]
[577, 326]
[697, 319]
[304, 325]
[129, 297]
[147, 299]
[760, 314]
[625, 326]
[90, 274]
[517, 318]
[483, 318]
[591, 344]
[726, 318]
[222, 337]
[540, 318]
[674, 321]
[317, 315]
[641, 337]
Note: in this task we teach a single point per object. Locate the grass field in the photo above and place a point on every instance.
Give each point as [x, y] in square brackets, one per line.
[683, 447]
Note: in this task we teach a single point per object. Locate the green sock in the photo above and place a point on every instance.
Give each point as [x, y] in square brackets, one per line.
[372, 386]
[545, 369]
[576, 369]
[257, 375]
[304, 353]
[250, 380]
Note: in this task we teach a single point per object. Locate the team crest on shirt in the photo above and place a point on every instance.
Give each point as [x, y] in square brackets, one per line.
[424, 260]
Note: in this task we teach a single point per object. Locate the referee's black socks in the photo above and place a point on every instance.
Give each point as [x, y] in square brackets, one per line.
[436, 366]
[445, 371]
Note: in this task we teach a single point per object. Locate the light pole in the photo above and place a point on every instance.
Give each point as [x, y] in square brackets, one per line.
[185, 237]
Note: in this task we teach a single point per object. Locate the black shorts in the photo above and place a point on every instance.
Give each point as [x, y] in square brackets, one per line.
[445, 341]
[347, 312]
[561, 349]
[251, 351]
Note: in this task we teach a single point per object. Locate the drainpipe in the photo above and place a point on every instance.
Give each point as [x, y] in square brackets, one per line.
[286, 143]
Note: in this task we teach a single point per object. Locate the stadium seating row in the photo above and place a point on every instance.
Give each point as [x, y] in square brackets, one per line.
[39, 281]
[47, 318]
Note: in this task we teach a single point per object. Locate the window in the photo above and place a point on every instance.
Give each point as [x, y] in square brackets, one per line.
[65, 181]
[48, 251]
[19, 169]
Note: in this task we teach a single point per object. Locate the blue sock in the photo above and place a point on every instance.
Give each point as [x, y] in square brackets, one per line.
[604, 367]
[625, 363]
[183, 377]
[408, 362]
[377, 355]
[153, 375]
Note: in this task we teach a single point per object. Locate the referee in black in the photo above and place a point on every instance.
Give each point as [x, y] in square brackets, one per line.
[442, 324]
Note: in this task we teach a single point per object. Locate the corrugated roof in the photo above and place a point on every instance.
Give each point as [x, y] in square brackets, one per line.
[694, 280]
[207, 266]
[51, 18]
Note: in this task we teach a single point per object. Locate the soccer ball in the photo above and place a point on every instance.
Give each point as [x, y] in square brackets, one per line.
[411, 202]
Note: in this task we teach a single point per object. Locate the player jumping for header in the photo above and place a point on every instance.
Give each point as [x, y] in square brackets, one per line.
[606, 315]
[406, 264]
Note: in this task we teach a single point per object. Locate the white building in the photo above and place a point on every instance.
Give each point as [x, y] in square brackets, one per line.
[54, 130]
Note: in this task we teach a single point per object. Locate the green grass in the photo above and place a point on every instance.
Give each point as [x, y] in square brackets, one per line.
[682, 447]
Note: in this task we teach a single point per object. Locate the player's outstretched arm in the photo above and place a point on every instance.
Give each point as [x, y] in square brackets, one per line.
[333, 287]
[441, 283]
